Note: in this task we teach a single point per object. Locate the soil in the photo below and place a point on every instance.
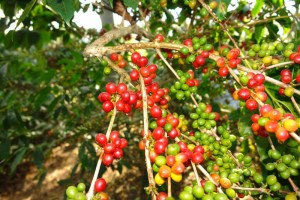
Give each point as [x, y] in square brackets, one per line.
[23, 185]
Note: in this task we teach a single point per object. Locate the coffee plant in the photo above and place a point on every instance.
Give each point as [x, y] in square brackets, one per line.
[216, 98]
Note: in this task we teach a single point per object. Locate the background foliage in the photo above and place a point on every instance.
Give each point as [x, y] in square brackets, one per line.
[48, 89]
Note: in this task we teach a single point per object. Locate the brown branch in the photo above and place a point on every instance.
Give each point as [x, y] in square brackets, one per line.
[294, 186]
[262, 21]
[196, 173]
[98, 51]
[90, 193]
[271, 143]
[268, 79]
[262, 190]
[209, 177]
[93, 48]
[167, 63]
[117, 69]
[279, 65]
[295, 136]
[169, 187]
[146, 140]
[295, 104]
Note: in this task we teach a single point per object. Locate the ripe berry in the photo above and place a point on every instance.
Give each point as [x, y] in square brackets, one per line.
[134, 75]
[135, 56]
[107, 159]
[111, 88]
[100, 185]
[156, 112]
[251, 104]
[223, 71]
[142, 61]
[244, 94]
[107, 106]
[101, 139]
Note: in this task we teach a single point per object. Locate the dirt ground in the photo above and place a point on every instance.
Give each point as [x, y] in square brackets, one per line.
[23, 185]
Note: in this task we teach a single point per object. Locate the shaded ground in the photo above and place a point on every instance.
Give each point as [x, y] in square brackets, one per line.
[23, 185]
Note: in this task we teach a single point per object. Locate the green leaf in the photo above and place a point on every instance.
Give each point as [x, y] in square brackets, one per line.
[262, 145]
[38, 157]
[19, 157]
[41, 97]
[26, 11]
[87, 155]
[259, 33]
[257, 7]
[111, 3]
[222, 9]
[4, 148]
[244, 125]
[65, 8]
[131, 3]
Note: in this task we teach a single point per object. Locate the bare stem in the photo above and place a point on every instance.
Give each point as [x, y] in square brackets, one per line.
[262, 21]
[294, 186]
[189, 139]
[209, 177]
[167, 63]
[269, 79]
[169, 187]
[146, 140]
[117, 69]
[262, 190]
[90, 193]
[196, 173]
[295, 104]
[95, 50]
[271, 143]
[194, 100]
[295, 136]
[279, 65]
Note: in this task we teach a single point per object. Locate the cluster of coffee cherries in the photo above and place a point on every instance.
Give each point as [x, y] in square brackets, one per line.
[185, 86]
[231, 60]
[203, 117]
[271, 120]
[119, 96]
[287, 77]
[286, 165]
[253, 86]
[112, 148]
[76, 192]
[173, 161]
[199, 59]
[118, 59]
[295, 56]
[213, 146]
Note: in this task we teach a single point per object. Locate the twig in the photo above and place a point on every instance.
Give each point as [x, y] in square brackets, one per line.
[90, 193]
[294, 186]
[169, 187]
[209, 177]
[194, 100]
[186, 137]
[196, 173]
[167, 63]
[279, 65]
[271, 143]
[295, 136]
[262, 21]
[268, 79]
[144, 19]
[117, 69]
[146, 140]
[295, 104]
[262, 190]
[96, 50]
